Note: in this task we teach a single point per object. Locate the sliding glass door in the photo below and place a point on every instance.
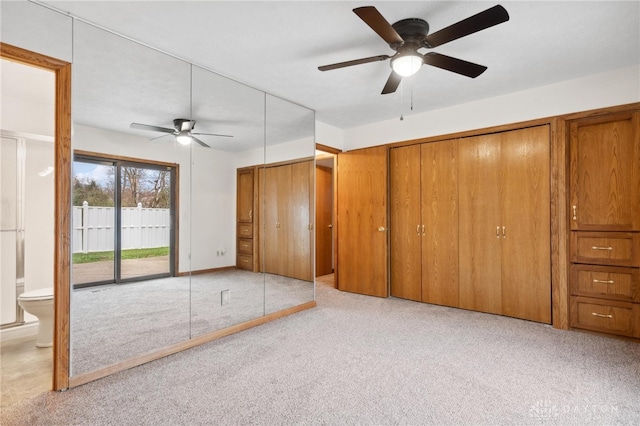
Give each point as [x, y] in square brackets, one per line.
[123, 221]
[144, 221]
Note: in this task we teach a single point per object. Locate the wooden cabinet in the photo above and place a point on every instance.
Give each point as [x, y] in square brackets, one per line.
[605, 173]
[287, 219]
[470, 223]
[245, 208]
[424, 223]
[504, 223]
[604, 209]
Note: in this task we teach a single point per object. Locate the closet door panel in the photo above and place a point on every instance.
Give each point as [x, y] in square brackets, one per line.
[285, 231]
[362, 221]
[405, 226]
[269, 192]
[526, 246]
[300, 212]
[439, 170]
[479, 222]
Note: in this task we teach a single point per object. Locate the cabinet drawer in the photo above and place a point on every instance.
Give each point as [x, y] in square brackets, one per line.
[606, 248]
[606, 316]
[244, 261]
[245, 246]
[245, 230]
[607, 282]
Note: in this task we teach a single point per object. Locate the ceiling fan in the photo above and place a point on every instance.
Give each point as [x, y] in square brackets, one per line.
[182, 130]
[407, 36]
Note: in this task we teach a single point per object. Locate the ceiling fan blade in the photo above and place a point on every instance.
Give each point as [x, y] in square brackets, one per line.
[453, 64]
[354, 62]
[152, 128]
[392, 83]
[159, 137]
[376, 21]
[212, 134]
[483, 20]
[200, 142]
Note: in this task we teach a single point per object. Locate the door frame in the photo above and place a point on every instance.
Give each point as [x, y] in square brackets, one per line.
[62, 206]
[335, 152]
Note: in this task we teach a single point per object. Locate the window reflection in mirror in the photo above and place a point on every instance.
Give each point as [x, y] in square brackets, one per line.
[117, 82]
[131, 104]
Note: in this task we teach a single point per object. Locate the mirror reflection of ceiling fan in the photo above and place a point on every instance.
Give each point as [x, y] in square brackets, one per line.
[182, 130]
[409, 35]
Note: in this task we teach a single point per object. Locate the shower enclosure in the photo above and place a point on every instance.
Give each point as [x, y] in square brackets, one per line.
[26, 186]
[26, 221]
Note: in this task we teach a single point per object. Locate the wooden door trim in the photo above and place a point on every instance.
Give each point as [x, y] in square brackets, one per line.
[62, 203]
[327, 148]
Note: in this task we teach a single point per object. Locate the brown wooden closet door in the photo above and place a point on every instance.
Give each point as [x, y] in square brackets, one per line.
[605, 173]
[440, 219]
[285, 230]
[405, 227]
[479, 223]
[300, 233]
[526, 244]
[269, 202]
[362, 221]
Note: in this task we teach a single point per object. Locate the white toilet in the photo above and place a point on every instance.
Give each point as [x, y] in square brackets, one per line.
[40, 304]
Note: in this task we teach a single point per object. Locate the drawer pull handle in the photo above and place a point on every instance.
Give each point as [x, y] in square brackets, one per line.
[595, 314]
[603, 281]
[601, 248]
[575, 216]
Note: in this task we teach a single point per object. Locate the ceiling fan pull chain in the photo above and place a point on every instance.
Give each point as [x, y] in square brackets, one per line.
[411, 94]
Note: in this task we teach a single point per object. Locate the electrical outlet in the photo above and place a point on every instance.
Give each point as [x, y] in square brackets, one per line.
[225, 297]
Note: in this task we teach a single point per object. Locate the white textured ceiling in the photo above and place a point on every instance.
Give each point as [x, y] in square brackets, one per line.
[277, 47]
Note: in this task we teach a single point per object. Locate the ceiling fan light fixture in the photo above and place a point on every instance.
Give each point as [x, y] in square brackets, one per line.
[184, 138]
[407, 65]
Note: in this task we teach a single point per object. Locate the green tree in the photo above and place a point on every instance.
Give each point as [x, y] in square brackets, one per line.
[91, 192]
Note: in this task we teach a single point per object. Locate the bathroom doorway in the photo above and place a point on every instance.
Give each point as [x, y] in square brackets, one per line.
[27, 222]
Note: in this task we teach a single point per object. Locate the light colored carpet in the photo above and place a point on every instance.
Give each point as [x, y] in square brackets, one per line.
[116, 322]
[369, 361]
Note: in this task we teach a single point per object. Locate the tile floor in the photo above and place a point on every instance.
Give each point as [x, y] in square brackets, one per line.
[26, 369]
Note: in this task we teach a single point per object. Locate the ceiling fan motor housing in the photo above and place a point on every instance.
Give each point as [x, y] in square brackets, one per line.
[413, 31]
[183, 124]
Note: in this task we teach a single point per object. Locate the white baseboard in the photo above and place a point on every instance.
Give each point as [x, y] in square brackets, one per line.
[27, 330]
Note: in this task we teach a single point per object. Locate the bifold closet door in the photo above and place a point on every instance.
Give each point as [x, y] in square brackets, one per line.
[405, 223]
[526, 243]
[479, 223]
[300, 232]
[439, 206]
[505, 252]
[276, 244]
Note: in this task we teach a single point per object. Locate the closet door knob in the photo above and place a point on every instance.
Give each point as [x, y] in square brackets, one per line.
[504, 232]
[418, 229]
[575, 216]
[497, 232]
[381, 229]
